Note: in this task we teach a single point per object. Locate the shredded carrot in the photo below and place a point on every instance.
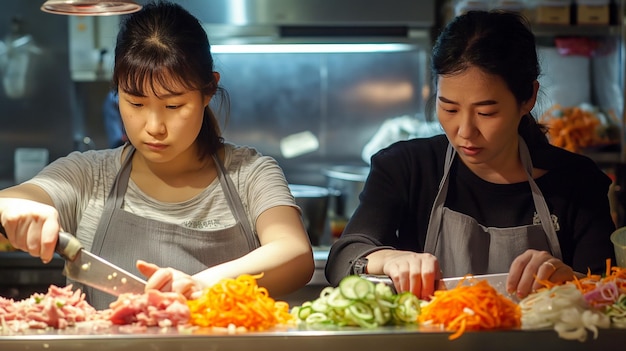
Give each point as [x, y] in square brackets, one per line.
[239, 302]
[572, 128]
[477, 306]
[593, 282]
[614, 274]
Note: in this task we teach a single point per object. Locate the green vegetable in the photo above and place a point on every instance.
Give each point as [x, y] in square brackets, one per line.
[359, 302]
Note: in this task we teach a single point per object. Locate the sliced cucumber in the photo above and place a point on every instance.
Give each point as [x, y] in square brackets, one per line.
[316, 317]
[359, 302]
[361, 311]
[407, 308]
[355, 287]
[337, 300]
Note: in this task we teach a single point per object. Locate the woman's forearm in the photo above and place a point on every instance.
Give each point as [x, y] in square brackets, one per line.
[286, 265]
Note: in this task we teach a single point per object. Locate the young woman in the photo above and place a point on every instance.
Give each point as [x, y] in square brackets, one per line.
[177, 196]
[489, 196]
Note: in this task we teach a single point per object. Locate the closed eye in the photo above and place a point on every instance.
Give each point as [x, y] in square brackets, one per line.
[172, 107]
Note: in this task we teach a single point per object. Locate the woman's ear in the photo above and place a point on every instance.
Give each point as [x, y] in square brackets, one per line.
[208, 98]
[530, 103]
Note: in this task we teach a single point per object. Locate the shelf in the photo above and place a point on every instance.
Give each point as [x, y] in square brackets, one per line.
[555, 30]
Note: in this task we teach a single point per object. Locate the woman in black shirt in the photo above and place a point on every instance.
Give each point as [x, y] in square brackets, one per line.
[491, 195]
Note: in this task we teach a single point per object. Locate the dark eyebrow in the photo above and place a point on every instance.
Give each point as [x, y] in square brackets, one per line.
[142, 95]
[480, 103]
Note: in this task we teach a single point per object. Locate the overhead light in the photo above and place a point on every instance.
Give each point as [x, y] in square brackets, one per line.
[309, 48]
[90, 7]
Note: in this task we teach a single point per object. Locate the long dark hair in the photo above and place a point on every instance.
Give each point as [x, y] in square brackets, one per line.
[164, 42]
[499, 43]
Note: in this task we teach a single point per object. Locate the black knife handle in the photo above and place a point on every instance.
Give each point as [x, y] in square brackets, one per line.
[67, 245]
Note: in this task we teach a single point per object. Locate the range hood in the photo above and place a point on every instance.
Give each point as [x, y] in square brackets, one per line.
[251, 25]
[310, 21]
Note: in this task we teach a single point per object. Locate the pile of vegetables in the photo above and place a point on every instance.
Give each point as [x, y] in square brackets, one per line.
[238, 303]
[358, 302]
[573, 309]
[473, 306]
[575, 128]
[578, 307]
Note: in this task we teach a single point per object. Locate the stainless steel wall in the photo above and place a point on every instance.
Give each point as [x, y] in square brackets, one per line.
[42, 116]
[340, 98]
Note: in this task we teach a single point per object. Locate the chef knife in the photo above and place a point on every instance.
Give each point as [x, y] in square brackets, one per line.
[92, 270]
[497, 281]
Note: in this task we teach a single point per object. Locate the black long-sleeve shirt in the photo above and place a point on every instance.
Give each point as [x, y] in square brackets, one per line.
[397, 199]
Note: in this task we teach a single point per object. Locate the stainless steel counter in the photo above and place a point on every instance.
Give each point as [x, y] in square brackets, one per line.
[388, 338]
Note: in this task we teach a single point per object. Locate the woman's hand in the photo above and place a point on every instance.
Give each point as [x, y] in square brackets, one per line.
[30, 226]
[169, 279]
[533, 266]
[410, 271]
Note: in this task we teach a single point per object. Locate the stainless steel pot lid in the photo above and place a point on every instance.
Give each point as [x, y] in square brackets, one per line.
[351, 173]
[304, 191]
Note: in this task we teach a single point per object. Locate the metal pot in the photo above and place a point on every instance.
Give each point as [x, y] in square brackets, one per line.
[348, 181]
[313, 200]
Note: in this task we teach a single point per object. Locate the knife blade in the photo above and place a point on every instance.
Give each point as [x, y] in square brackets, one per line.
[92, 270]
[497, 281]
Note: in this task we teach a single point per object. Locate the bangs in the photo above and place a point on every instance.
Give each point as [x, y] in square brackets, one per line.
[142, 78]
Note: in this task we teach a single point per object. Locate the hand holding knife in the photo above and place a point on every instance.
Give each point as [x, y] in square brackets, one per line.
[89, 269]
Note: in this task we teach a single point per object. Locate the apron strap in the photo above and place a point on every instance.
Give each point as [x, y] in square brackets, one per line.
[540, 203]
[436, 213]
[114, 200]
[232, 196]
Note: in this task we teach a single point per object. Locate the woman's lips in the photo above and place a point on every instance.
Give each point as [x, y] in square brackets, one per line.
[155, 147]
[470, 150]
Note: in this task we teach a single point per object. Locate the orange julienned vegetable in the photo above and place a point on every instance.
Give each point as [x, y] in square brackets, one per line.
[574, 129]
[591, 282]
[471, 307]
[239, 302]
[614, 274]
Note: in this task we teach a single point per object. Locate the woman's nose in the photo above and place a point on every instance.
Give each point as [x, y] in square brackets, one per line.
[466, 125]
[155, 124]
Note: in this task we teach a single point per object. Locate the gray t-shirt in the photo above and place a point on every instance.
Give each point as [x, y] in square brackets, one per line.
[80, 182]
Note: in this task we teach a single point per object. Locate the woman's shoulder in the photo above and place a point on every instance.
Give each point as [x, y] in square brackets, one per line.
[241, 155]
[552, 157]
[415, 149]
[96, 158]
[247, 159]
[574, 166]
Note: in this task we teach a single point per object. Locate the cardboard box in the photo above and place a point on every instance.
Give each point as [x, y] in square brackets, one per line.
[548, 14]
[592, 14]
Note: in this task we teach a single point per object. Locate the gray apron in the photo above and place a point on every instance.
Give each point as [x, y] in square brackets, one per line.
[123, 237]
[459, 241]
